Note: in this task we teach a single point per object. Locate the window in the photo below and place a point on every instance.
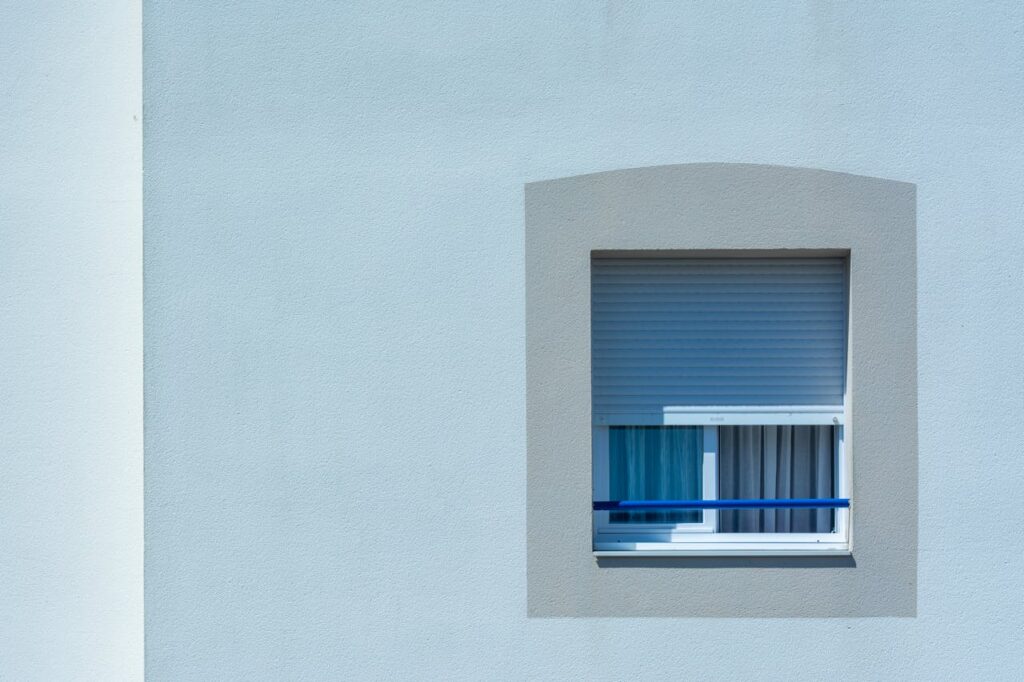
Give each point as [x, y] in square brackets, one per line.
[719, 405]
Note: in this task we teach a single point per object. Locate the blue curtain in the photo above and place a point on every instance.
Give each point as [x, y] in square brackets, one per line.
[656, 463]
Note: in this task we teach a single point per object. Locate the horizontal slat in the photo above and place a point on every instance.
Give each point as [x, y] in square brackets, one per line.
[643, 375]
[661, 273]
[671, 357]
[635, 313]
[657, 403]
[760, 295]
[667, 369]
[718, 344]
[716, 265]
[689, 321]
[722, 332]
[823, 287]
[682, 382]
[752, 379]
[812, 284]
[717, 394]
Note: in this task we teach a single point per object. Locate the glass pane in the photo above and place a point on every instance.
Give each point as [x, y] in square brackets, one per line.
[656, 463]
[776, 463]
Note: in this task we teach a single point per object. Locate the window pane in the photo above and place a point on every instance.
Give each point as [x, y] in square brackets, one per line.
[656, 463]
[776, 463]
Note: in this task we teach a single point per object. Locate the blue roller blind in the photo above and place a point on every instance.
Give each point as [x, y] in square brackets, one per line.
[700, 332]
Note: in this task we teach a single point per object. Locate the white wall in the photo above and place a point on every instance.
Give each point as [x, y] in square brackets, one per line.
[71, 527]
[334, 317]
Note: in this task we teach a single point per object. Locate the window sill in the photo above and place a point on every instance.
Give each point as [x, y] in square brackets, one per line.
[720, 552]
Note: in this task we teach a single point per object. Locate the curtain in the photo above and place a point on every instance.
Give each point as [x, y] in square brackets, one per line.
[656, 463]
[775, 462]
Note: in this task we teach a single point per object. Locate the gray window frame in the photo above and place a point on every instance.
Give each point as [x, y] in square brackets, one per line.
[726, 210]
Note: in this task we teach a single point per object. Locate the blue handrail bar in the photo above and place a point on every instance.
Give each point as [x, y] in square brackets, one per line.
[800, 503]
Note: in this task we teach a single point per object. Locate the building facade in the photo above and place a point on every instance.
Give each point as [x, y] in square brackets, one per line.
[341, 464]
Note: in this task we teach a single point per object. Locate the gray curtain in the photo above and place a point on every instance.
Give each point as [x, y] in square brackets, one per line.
[655, 463]
[775, 462]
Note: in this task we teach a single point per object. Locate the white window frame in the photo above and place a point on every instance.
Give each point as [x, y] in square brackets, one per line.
[702, 539]
[617, 531]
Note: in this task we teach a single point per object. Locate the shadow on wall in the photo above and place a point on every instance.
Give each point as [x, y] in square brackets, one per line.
[799, 562]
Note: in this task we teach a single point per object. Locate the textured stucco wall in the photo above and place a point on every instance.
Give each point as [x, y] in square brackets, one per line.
[71, 528]
[336, 464]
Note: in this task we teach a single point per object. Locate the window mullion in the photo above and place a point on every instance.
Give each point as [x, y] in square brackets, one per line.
[710, 472]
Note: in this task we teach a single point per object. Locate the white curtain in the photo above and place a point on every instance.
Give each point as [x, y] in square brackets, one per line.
[775, 462]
